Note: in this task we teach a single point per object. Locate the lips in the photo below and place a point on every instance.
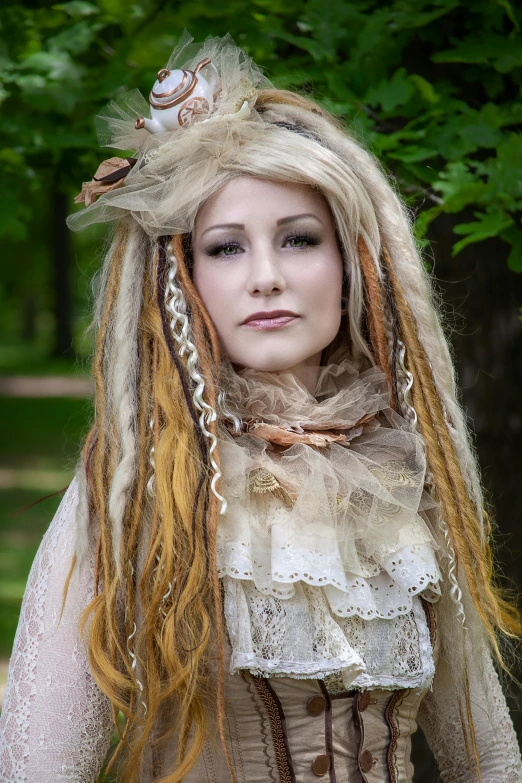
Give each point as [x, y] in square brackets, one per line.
[267, 315]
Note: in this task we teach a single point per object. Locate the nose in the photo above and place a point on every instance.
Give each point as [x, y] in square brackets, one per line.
[265, 274]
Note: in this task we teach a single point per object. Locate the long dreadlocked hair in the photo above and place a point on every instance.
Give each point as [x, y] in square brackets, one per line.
[156, 639]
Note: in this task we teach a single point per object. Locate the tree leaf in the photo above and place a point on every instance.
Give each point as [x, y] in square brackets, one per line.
[77, 8]
[488, 224]
[513, 235]
[424, 219]
[392, 92]
[56, 65]
[413, 154]
[510, 13]
[453, 178]
[75, 39]
[505, 171]
[503, 53]
[425, 88]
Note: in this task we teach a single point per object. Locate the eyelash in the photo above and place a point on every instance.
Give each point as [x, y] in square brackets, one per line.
[310, 239]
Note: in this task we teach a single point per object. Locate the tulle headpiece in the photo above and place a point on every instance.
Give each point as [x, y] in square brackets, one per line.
[201, 101]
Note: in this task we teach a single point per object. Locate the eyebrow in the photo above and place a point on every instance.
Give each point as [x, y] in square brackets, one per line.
[281, 222]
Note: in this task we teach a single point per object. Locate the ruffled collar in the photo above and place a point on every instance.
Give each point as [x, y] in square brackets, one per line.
[343, 398]
[325, 495]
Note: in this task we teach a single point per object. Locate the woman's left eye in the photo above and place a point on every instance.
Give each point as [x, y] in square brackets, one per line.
[301, 240]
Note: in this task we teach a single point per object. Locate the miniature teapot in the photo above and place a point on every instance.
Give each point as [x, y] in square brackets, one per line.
[178, 96]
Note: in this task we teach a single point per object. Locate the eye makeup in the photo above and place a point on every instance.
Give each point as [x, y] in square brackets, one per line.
[216, 247]
[309, 238]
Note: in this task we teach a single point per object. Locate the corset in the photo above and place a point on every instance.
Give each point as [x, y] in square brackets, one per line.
[286, 730]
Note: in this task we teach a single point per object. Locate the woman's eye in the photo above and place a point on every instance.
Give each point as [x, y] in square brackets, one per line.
[229, 250]
[301, 241]
[224, 250]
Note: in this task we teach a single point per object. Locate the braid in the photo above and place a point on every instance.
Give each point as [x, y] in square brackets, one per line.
[106, 652]
[392, 337]
[123, 391]
[375, 309]
[200, 312]
[205, 334]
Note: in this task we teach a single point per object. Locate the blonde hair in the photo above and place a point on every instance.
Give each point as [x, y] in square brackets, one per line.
[155, 624]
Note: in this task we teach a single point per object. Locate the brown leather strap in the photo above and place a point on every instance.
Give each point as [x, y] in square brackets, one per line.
[358, 720]
[328, 730]
[431, 620]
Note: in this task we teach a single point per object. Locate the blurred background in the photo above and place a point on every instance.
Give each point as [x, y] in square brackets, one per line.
[432, 87]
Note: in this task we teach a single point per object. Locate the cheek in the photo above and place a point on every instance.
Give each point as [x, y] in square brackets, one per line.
[322, 282]
[217, 292]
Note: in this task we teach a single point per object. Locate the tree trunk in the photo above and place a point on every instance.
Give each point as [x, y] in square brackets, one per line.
[484, 297]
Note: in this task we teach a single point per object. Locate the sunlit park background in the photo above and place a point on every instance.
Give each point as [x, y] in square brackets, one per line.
[431, 86]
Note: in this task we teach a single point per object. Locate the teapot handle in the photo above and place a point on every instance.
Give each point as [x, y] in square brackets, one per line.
[209, 73]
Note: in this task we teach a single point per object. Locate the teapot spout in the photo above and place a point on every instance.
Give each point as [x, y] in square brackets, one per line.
[153, 126]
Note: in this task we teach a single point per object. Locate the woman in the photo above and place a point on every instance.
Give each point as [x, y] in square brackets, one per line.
[279, 556]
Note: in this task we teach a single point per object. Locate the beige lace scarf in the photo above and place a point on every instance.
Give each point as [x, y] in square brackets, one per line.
[323, 543]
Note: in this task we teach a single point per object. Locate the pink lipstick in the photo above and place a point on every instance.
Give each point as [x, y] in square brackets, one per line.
[272, 319]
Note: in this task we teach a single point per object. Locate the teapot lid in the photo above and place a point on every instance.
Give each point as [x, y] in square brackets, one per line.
[172, 87]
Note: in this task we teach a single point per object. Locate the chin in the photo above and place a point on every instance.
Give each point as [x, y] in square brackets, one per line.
[272, 362]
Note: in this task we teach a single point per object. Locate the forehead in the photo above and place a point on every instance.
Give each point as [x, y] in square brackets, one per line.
[245, 198]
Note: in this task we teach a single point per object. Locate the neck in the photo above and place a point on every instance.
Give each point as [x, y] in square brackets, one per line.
[306, 372]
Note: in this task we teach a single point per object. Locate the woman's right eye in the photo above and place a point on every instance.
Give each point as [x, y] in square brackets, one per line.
[229, 250]
[226, 249]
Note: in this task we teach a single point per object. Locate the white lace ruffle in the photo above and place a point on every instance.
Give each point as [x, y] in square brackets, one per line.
[387, 594]
[299, 637]
[276, 552]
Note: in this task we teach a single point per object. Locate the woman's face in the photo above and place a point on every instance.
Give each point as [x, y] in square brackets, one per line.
[269, 271]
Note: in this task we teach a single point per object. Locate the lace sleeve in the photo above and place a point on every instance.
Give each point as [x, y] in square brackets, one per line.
[497, 744]
[55, 723]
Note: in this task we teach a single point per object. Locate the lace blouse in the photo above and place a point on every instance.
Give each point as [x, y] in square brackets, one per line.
[56, 725]
[324, 554]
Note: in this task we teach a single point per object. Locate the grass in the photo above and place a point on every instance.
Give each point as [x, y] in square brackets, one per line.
[20, 359]
[38, 451]
[42, 434]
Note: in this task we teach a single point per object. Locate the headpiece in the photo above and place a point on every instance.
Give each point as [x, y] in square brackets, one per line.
[203, 88]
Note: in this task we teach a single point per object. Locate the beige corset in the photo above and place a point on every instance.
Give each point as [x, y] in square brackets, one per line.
[285, 730]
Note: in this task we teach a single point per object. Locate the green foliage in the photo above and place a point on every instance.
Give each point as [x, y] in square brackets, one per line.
[432, 87]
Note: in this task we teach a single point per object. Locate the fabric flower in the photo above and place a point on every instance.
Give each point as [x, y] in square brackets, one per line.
[109, 175]
[281, 436]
